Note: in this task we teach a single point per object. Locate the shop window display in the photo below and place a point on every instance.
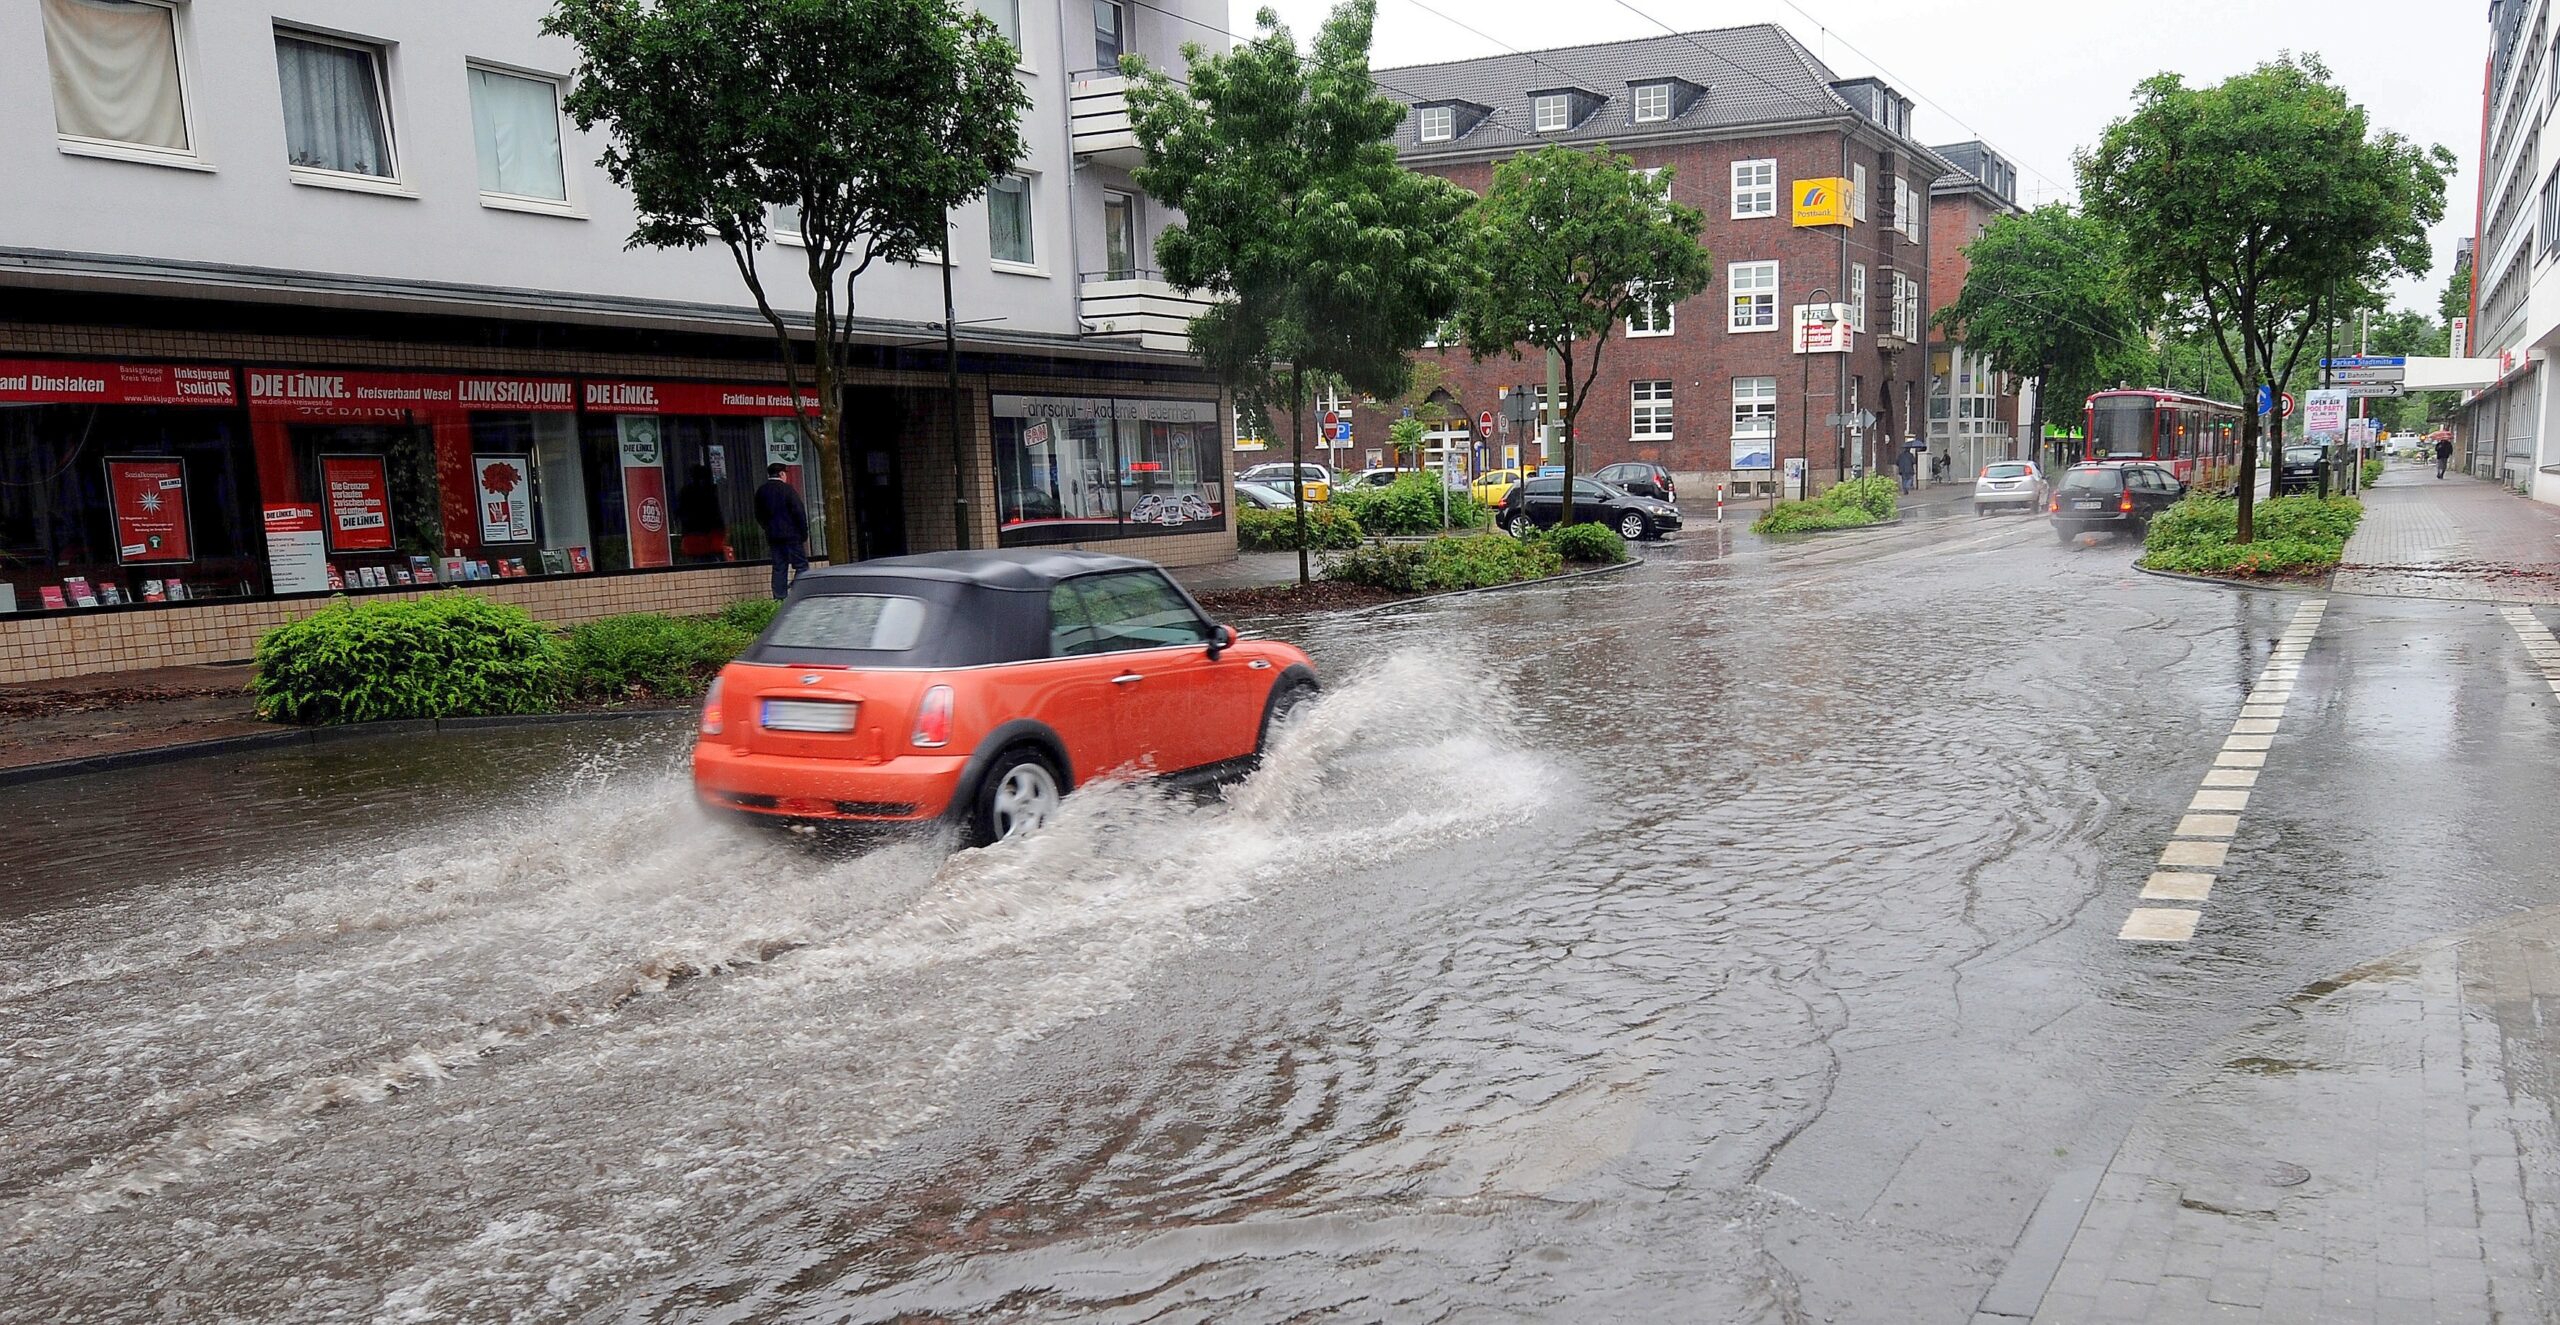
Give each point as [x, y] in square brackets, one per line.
[678, 464]
[1075, 469]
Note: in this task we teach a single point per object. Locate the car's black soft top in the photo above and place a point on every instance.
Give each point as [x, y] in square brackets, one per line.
[1024, 570]
[987, 607]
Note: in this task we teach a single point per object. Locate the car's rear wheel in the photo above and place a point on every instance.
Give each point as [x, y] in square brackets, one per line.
[1019, 796]
[1632, 526]
[1521, 525]
[2067, 535]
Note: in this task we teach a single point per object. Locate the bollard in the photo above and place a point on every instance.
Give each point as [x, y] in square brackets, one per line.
[1719, 503]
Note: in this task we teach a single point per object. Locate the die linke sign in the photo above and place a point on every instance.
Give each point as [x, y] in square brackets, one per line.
[65, 382]
[693, 398]
[325, 394]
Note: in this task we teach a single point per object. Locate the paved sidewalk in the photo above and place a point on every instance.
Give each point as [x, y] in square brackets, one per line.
[2382, 1150]
[2455, 537]
[44, 722]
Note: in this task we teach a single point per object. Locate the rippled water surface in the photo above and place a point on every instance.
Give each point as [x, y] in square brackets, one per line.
[1728, 940]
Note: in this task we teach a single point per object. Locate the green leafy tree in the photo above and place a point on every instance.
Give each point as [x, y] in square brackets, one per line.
[1569, 244]
[1405, 435]
[2044, 298]
[864, 121]
[2252, 206]
[1329, 257]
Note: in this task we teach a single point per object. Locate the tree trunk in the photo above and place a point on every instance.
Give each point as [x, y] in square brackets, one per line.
[1572, 411]
[834, 479]
[2249, 465]
[1298, 463]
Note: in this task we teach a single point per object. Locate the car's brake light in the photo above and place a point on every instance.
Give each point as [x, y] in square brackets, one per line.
[711, 709]
[933, 719]
[2124, 503]
[2056, 507]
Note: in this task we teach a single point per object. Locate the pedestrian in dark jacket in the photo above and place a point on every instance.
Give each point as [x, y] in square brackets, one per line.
[786, 528]
[2444, 454]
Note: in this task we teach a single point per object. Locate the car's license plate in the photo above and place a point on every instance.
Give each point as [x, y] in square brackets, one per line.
[2086, 504]
[803, 715]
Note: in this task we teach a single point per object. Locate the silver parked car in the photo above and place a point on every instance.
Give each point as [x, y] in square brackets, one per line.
[2015, 485]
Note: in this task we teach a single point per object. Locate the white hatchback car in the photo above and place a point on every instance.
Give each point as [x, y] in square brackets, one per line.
[2009, 485]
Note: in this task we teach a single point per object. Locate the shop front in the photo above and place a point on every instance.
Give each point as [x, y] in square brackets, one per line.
[1080, 469]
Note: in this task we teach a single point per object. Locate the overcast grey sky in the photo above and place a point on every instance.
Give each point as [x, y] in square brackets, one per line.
[2034, 78]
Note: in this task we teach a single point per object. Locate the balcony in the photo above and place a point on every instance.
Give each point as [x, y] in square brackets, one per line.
[1139, 306]
[1098, 121]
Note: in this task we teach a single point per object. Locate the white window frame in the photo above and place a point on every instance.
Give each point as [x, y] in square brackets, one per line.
[1652, 317]
[1652, 103]
[1030, 227]
[1858, 193]
[567, 203]
[1755, 411]
[1902, 205]
[1755, 189]
[396, 183]
[1435, 124]
[110, 149]
[1763, 286]
[1649, 406]
[1559, 102]
[1858, 297]
[1022, 57]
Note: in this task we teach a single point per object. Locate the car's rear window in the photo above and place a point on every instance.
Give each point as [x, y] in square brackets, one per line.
[2302, 455]
[865, 622]
[2092, 480]
[2007, 471]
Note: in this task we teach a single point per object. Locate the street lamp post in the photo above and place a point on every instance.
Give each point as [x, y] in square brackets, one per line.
[1805, 441]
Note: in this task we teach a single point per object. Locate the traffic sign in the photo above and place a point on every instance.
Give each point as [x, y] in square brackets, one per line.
[2367, 376]
[1861, 420]
[2266, 404]
[1332, 420]
[1484, 423]
[2377, 390]
[2367, 361]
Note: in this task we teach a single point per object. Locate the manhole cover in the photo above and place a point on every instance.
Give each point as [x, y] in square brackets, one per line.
[2284, 1175]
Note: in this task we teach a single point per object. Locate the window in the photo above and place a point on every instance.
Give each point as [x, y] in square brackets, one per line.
[1653, 103]
[1755, 188]
[856, 622]
[1437, 124]
[1009, 220]
[1110, 39]
[1755, 407]
[1755, 296]
[516, 121]
[1858, 296]
[1120, 234]
[2547, 225]
[1901, 204]
[116, 79]
[1858, 192]
[1651, 403]
[1121, 610]
[334, 117]
[1077, 469]
[1650, 318]
[1008, 19]
[1552, 112]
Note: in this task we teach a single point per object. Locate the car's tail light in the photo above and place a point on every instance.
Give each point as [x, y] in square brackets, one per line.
[933, 719]
[711, 709]
[2056, 507]
[2124, 504]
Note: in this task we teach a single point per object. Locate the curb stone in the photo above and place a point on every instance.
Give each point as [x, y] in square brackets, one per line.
[1630, 563]
[169, 754]
[2262, 586]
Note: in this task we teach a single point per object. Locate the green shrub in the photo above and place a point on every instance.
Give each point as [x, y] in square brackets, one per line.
[1471, 561]
[2295, 536]
[1409, 506]
[751, 615]
[646, 656]
[1277, 531]
[1594, 544]
[2372, 471]
[440, 656]
[1850, 505]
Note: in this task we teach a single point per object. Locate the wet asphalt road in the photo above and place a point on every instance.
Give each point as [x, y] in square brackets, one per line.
[1733, 939]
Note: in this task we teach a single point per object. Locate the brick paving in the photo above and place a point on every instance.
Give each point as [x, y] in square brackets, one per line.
[2456, 537]
[2381, 1151]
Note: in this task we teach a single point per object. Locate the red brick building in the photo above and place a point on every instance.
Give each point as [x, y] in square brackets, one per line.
[1975, 415]
[1741, 117]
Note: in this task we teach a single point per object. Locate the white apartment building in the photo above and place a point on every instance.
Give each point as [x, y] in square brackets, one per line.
[2511, 431]
[308, 274]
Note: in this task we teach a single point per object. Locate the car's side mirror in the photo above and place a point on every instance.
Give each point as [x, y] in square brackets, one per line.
[1221, 639]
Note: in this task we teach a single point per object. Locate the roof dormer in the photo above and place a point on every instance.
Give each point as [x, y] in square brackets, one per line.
[1562, 109]
[1446, 121]
[1874, 99]
[1660, 100]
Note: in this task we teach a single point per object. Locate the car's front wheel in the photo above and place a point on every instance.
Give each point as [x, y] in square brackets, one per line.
[1521, 525]
[1020, 795]
[1632, 526]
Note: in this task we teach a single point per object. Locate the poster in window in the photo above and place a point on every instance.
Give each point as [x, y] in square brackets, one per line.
[506, 497]
[356, 492]
[297, 558]
[644, 490]
[150, 501]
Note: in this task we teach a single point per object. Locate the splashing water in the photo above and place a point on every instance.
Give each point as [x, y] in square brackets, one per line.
[498, 1067]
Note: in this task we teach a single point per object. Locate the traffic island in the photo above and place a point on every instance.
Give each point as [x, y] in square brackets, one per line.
[2298, 540]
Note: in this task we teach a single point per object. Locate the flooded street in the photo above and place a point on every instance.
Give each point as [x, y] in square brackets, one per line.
[1731, 939]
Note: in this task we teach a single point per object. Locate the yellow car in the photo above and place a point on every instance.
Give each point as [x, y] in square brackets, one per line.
[1492, 486]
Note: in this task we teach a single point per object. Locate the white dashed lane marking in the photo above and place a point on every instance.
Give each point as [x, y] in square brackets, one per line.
[2540, 644]
[2201, 843]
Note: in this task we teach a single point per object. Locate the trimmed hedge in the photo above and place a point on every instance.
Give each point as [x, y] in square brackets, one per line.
[446, 655]
[645, 656]
[2295, 536]
[1410, 506]
[1591, 544]
[1277, 531]
[1469, 561]
[751, 615]
[1851, 505]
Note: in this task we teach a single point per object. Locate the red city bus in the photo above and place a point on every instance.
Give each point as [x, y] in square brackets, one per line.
[2197, 439]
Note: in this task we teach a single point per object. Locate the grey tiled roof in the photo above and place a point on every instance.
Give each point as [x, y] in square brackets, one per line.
[1759, 74]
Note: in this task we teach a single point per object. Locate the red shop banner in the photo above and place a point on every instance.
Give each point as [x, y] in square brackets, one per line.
[149, 498]
[324, 394]
[693, 398]
[63, 382]
[356, 491]
[644, 491]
